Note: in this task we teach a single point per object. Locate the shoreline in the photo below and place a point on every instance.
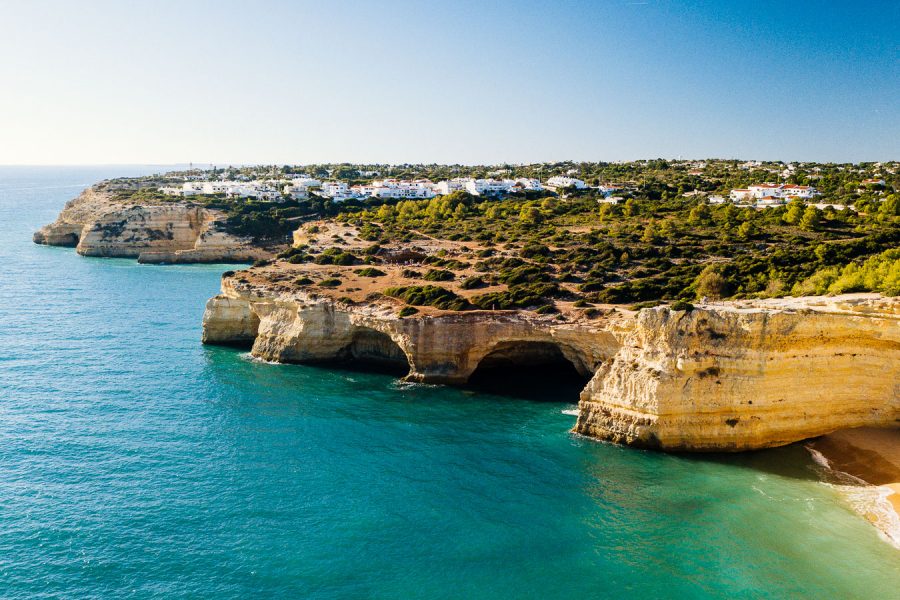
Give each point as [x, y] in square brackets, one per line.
[866, 459]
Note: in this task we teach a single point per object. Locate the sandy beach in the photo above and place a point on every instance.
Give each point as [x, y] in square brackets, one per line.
[873, 456]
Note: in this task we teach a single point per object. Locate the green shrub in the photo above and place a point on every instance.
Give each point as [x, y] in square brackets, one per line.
[523, 274]
[370, 272]
[879, 273]
[519, 296]
[428, 295]
[474, 282]
[591, 286]
[711, 284]
[293, 251]
[439, 275]
[336, 256]
[407, 311]
[535, 250]
[334, 282]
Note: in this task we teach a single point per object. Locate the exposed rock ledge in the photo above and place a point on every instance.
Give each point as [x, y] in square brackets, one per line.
[734, 376]
[96, 223]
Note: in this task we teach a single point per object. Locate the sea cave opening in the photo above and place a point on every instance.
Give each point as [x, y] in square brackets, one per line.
[529, 370]
[373, 351]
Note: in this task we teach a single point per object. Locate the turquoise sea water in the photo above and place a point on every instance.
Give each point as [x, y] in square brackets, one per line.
[135, 462]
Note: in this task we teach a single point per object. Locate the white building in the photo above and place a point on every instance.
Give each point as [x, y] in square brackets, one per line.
[528, 184]
[299, 187]
[259, 190]
[336, 190]
[765, 189]
[488, 187]
[742, 194]
[362, 191]
[798, 191]
[191, 188]
[560, 182]
[770, 201]
[451, 185]
[768, 191]
[392, 188]
[216, 187]
[610, 188]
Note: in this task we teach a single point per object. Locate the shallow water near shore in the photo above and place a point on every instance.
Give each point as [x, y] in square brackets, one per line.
[136, 462]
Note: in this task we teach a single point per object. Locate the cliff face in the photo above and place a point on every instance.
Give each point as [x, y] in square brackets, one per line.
[727, 377]
[442, 348]
[97, 224]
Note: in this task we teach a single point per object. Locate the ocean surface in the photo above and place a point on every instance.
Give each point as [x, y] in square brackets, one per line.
[135, 462]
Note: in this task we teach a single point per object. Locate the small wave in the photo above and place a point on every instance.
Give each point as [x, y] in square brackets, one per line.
[254, 359]
[400, 384]
[570, 411]
[870, 501]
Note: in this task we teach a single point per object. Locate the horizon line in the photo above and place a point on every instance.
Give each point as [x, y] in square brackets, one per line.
[204, 165]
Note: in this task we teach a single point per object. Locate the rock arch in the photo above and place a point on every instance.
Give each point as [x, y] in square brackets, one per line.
[535, 369]
[370, 349]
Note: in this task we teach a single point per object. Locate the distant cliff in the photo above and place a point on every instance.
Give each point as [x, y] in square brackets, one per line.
[97, 223]
[735, 376]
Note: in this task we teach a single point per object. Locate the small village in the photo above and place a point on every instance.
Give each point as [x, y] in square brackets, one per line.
[365, 184]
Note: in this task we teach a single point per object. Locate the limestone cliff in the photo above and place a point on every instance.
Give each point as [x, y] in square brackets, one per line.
[733, 376]
[97, 223]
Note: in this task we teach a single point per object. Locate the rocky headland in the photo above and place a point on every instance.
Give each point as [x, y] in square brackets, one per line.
[727, 376]
[100, 222]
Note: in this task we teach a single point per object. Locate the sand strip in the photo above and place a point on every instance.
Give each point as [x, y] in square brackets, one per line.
[873, 456]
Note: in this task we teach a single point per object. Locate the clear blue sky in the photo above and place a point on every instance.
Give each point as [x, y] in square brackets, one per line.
[471, 82]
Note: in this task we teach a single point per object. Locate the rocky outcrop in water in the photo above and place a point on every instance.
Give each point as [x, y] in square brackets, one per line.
[735, 376]
[97, 223]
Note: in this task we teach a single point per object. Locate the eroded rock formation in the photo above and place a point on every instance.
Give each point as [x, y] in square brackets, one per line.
[96, 223]
[735, 376]
[732, 378]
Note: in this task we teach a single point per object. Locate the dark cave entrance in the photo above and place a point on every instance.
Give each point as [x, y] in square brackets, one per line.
[373, 351]
[529, 370]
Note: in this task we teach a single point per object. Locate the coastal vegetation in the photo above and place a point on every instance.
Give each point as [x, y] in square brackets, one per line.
[659, 239]
[644, 249]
